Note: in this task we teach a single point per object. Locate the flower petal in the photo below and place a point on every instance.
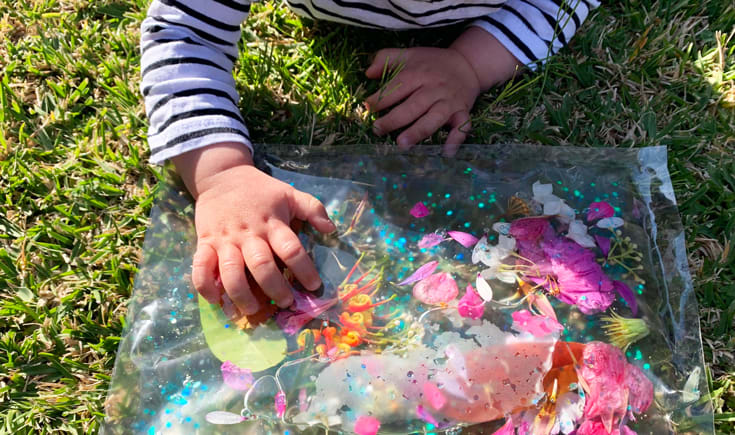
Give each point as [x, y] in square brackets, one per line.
[540, 190]
[471, 305]
[610, 223]
[539, 326]
[366, 425]
[465, 239]
[224, 417]
[235, 377]
[603, 243]
[578, 233]
[421, 273]
[304, 309]
[280, 403]
[483, 288]
[627, 294]
[425, 415]
[430, 240]
[436, 289]
[419, 210]
[502, 228]
[529, 228]
[600, 210]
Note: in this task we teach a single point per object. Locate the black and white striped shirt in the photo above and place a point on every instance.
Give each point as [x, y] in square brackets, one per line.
[190, 46]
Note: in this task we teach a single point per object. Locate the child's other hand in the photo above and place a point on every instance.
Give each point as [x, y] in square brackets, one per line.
[242, 220]
[433, 87]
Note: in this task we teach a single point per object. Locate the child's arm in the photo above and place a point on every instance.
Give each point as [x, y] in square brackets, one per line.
[437, 87]
[242, 215]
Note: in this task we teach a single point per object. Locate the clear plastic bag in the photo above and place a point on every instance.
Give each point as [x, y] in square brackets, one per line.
[413, 361]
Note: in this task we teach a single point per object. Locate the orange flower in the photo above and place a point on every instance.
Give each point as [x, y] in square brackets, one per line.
[351, 338]
[359, 303]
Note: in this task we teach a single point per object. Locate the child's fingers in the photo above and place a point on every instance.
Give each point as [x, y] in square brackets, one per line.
[288, 248]
[259, 260]
[232, 274]
[307, 208]
[203, 266]
[385, 60]
[461, 125]
[407, 112]
[424, 127]
[392, 92]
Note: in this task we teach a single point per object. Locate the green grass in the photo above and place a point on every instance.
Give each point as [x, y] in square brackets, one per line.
[76, 188]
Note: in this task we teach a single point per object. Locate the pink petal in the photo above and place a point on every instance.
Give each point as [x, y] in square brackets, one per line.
[529, 228]
[627, 294]
[303, 400]
[507, 429]
[640, 389]
[471, 305]
[600, 210]
[433, 394]
[465, 239]
[539, 326]
[604, 244]
[280, 403]
[235, 377]
[425, 415]
[421, 273]
[436, 289]
[367, 425]
[430, 240]
[419, 210]
[541, 302]
[304, 309]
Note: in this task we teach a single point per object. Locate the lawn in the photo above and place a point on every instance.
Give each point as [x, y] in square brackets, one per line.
[76, 188]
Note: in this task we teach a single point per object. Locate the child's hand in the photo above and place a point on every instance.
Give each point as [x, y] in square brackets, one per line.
[242, 220]
[433, 87]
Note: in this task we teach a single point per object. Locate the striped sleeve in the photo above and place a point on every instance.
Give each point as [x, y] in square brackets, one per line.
[534, 30]
[188, 51]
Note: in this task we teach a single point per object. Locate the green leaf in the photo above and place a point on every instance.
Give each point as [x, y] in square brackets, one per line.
[258, 349]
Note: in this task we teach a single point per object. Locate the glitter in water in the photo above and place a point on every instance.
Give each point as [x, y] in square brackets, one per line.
[647, 366]
[481, 205]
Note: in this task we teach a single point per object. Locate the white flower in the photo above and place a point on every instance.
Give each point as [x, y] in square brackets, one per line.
[578, 233]
[483, 288]
[502, 228]
[552, 204]
[495, 272]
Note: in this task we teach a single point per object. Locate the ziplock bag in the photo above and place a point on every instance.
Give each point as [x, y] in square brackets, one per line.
[515, 288]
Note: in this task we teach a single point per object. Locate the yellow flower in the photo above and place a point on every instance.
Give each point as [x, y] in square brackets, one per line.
[624, 331]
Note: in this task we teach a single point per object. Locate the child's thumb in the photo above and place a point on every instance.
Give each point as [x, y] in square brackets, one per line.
[308, 208]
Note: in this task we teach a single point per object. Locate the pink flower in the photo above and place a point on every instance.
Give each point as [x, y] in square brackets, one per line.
[600, 210]
[539, 326]
[421, 273]
[471, 305]
[423, 414]
[615, 388]
[529, 228]
[434, 396]
[604, 244]
[436, 289]
[235, 377]
[304, 309]
[506, 429]
[419, 210]
[366, 425]
[430, 240]
[465, 239]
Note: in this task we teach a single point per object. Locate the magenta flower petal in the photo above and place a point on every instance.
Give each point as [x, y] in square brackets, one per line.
[603, 243]
[436, 289]
[421, 273]
[507, 428]
[531, 228]
[280, 403]
[600, 210]
[596, 427]
[430, 240]
[235, 377]
[465, 239]
[434, 396]
[627, 294]
[419, 210]
[471, 305]
[603, 371]
[367, 425]
[304, 309]
[539, 326]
